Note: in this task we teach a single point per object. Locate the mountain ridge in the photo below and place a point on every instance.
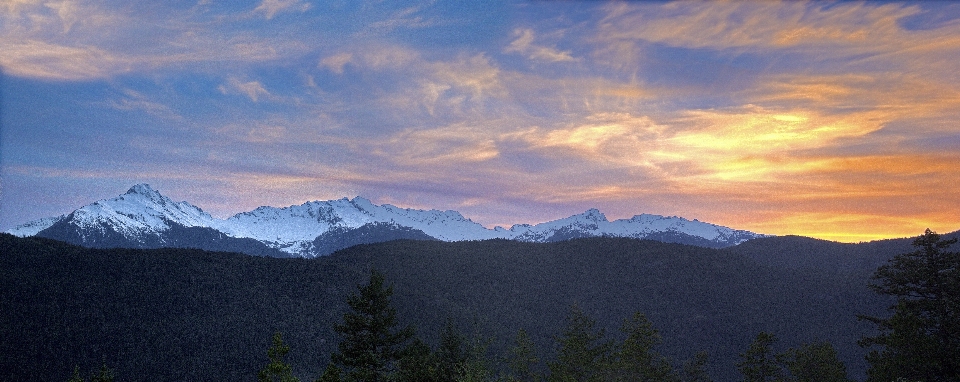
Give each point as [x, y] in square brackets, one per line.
[144, 218]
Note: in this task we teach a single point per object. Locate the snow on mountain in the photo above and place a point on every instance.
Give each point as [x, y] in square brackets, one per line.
[31, 228]
[140, 211]
[595, 223]
[294, 229]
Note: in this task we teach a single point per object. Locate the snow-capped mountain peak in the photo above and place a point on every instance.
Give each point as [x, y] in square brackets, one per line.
[144, 212]
[591, 216]
[143, 189]
[34, 227]
[141, 210]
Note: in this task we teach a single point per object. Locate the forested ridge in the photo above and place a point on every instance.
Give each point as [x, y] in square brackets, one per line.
[178, 314]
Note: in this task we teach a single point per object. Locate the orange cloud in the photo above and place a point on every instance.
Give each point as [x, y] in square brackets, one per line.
[441, 147]
[861, 26]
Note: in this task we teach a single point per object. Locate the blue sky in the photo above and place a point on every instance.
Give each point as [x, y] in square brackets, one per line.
[828, 119]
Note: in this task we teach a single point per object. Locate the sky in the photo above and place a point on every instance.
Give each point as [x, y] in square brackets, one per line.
[834, 120]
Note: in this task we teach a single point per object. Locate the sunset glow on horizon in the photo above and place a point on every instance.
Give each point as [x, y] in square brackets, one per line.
[834, 120]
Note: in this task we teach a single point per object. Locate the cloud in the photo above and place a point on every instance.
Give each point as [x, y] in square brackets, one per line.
[753, 114]
[829, 39]
[403, 18]
[736, 145]
[272, 7]
[605, 137]
[447, 146]
[336, 62]
[14, 7]
[477, 75]
[524, 45]
[705, 151]
[67, 11]
[39, 59]
[83, 40]
[756, 130]
[412, 86]
[925, 99]
[861, 27]
[252, 89]
[134, 100]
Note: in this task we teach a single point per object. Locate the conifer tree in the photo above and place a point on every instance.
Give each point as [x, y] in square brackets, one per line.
[635, 359]
[582, 353]
[759, 364]
[417, 363]
[76, 375]
[921, 340]
[695, 370]
[523, 359]
[331, 374]
[815, 363]
[476, 367]
[451, 354]
[371, 345]
[277, 370]
[105, 374]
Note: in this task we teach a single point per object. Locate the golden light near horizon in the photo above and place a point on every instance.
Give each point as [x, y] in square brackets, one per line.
[862, 228]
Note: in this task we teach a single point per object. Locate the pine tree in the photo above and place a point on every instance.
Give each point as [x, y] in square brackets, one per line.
[921, 340]
[814, 363]
[104, 375]
[695, 370]
[451, 355]
[476, 367]
[277, 370]
[635, 359]
[331, 374]
[758, 363]
[582, 354]
[76, 375]
[371, 346]
[417, 363]
[523, 358]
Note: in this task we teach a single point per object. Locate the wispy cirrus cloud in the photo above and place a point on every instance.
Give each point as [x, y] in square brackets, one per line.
[252, 89]
[84, 40]
[408, 17]
[855, 27]
[133, 100]
[524, 45]
[422, 87]
[269, 8]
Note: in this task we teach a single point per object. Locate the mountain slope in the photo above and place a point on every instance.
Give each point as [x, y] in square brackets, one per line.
[143, 218]
[177, 314]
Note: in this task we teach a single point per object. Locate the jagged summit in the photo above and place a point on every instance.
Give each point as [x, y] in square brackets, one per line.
[144, 215]
[142, 189]
[592, 215]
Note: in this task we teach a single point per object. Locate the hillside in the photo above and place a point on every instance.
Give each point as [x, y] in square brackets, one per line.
[176, 314]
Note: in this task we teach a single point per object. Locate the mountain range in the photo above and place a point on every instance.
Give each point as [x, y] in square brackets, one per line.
[144, 218]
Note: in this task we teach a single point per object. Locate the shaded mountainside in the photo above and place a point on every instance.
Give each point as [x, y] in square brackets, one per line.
[157, 314]
[176, 314]
[798, 252]
[340, 238]
[176, 235]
